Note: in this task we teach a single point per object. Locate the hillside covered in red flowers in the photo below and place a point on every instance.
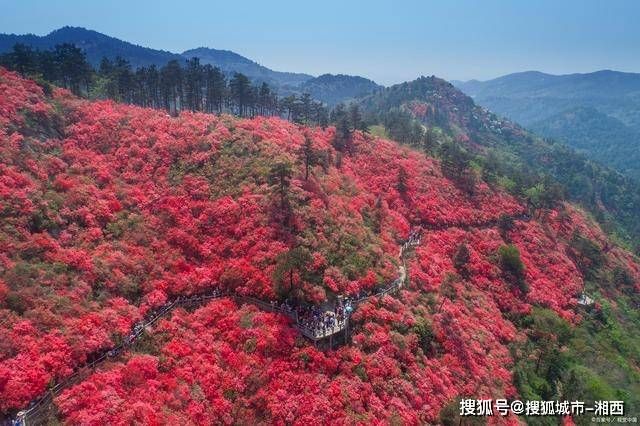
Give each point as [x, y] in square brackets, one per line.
[110, 210]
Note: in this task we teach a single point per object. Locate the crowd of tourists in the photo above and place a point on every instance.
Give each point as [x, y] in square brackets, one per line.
[318, 320]
[321, 321]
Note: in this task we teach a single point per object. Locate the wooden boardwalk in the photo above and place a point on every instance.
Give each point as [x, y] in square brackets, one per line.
[40, 409]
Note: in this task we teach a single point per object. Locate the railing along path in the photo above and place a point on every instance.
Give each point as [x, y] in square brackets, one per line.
[39, 409]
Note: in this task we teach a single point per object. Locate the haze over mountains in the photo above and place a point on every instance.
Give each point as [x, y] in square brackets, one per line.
[327, 88]
[95, 45]
[597, 113]
[182, 245]
[508, 153]
[333, 89]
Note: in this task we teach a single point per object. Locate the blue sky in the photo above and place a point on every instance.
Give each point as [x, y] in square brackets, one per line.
[388, 41]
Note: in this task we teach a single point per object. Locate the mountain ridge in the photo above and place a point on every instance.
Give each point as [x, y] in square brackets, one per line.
[538, 100]
[336, 88]
[97, 45]
[329, 88]
[449, 115]
[230, 62]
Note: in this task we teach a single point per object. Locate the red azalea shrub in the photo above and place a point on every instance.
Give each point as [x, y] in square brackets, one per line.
[110, 210]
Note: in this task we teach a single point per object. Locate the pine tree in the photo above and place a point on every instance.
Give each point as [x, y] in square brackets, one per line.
[193, 84]
[402, 185]
[429, 141]
[321, 115]
[124, 79]
[309, 155]
[23, 59]
[171, 86]
[240, 88]
[280, 179]
[287, 264]
[264, 99]
[305, 108]
[342, 138]
[461, 259]
[74, 70]
[355, 117]
[455, 162]
[216, 88]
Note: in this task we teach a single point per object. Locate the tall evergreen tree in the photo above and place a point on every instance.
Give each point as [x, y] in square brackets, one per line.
[454, 162]
[240, 88]
[402, 184]
[355, 117]
[193, 84]
[73, 68]
[308, 154]
[342, 138]
[215, 89]
[306, 105]
[280, 179]
[171, 86]
[23, 59]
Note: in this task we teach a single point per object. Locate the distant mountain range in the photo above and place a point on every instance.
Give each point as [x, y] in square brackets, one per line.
[597, 135]
[230, 62]
[512, 154]
[597, 113]
[328, 88]
[97, 45]
[334, 89]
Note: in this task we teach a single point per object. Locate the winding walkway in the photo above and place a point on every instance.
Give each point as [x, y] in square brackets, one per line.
[40, 408]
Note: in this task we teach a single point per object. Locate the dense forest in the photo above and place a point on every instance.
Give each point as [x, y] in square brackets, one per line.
[597, 113]
[174, 87]
[596, 135]
[432, 115]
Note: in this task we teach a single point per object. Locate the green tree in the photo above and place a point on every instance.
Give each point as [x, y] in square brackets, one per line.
[124, 79]
[241, 93]
[540, 372]
[171, 86]
[512, 266]
[306, 109]
[587, 255]
[342, 138]
[265, 99]
[321, 115]
[193, 76]
[280, 179]
[74, 72]
[309, 155]
[402, 184]
[355, 117]
[426, 339]
[215, 88]
[22, 59]
[429, 141]
[461, 259]
[287, 264]
[455, 165]
[505, 225]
